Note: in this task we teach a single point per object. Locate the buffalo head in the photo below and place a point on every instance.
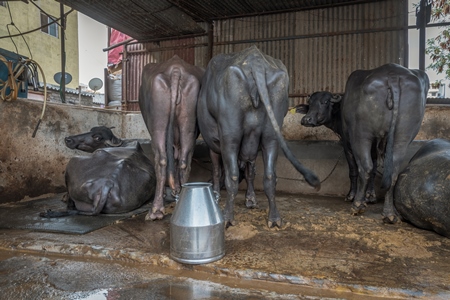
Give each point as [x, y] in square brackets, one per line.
[98, 137]
[320, 109]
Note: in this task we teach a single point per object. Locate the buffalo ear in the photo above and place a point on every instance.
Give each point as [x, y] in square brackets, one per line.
[114, 142]
[335, 98]
[302, 109]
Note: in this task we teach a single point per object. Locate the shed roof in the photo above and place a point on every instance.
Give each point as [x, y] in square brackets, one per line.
[147, 20]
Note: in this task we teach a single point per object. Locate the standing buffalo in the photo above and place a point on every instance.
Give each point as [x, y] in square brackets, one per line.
[379, 115]
[422, 192]
[168, 100]
[98, 137]
[241, 106]
[324, 108]
[111, 181]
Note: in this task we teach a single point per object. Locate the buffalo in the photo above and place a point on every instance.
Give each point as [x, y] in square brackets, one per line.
[102, 137]
[98, 137]
[168, 100]
[422, 192]
[378, 116]
[324, 108]
[241, 107]
[111, 181]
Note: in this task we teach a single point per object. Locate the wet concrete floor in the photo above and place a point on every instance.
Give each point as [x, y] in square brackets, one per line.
[31, 276]
[322, 251]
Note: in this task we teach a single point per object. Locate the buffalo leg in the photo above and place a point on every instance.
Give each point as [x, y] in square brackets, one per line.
[216, 171]
[157, 211]
[371, 196]
[365, 166]
[231, 166]
[352, 173]
[390, 214]
[185, 167]
[177, 173]
[185, 158]
[269, 182]
[187, 129]
[250, 198]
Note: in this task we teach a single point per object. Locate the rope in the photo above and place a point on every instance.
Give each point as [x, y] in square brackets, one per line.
[334, 168]
[285, 178]
[12, 83]
[328, 176]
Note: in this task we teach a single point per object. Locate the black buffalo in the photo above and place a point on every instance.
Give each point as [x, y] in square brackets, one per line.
[111, 181]
[98, 137]
[379, 115]
[241, 107]
[324, 108]
[168, 100]
[102, 137]
[422, 192]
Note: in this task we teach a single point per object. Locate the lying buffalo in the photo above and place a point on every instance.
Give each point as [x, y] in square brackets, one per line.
[102, 137]
[379, 115]
[168, 100]
[98, 137]
[111, 181]
[422, 192]
[241, 107]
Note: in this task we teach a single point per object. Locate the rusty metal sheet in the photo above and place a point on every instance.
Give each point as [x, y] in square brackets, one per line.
[320, 47]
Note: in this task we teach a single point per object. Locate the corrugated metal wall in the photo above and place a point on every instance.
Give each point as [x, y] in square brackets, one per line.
[320, 48]
[136, 56]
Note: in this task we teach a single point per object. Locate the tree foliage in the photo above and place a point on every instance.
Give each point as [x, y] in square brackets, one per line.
[438, 48]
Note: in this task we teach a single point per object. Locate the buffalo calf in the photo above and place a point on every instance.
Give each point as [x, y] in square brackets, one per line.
[98, 137]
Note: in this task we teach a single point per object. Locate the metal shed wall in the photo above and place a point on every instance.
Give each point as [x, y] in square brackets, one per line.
[319, 47]
[136, 56]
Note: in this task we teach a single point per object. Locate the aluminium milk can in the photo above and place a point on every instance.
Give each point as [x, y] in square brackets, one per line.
[197, 226]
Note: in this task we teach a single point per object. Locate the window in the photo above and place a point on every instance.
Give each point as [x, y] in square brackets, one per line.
[51, 29]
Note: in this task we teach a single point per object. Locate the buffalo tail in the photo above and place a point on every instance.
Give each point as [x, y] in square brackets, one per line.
[259, 76]
[392, 102]
[174, 99]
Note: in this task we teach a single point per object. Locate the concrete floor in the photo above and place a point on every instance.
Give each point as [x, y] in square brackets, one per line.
[322, 251]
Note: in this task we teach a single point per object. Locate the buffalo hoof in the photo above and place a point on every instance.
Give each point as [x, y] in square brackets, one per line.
[358, 208]
[155, 215]
[228, 216]
[371, 197]
[251, 203]
[229, 223]
[391, 219]
[272, 223]
[174, 194]
[350, 197]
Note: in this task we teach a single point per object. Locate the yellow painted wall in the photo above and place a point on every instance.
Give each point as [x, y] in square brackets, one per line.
[45, 49]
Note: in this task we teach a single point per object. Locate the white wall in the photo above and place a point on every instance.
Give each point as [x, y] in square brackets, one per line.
[93, 37]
